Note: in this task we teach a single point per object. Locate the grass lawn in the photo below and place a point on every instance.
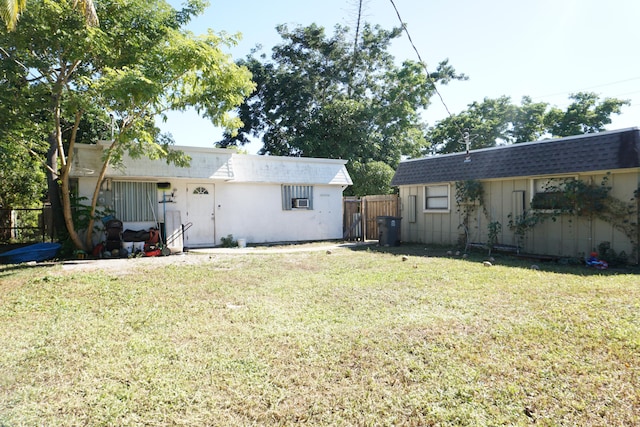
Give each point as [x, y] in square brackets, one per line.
[348, 338]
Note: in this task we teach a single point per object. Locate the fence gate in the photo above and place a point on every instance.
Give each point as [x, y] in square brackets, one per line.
[352, 221]
[360, 215]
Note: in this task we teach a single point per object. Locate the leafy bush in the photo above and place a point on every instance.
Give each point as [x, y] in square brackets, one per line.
[228, 242]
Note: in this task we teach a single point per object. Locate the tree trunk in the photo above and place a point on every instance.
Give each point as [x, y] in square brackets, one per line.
[5, 224]
[96, 193]
[67, 209]
[53, 186]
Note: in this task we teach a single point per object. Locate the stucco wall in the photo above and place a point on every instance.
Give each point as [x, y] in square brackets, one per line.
[243, 193]
[250, 211]
[254, 212]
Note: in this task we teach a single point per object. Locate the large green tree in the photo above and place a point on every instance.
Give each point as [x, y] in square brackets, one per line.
[488, 120]
[21, 146]
[373, 178]
[586, 114]
[498, 121]
[22, 184]
[321, 95]
[137, 65]
[22, 179]
[528, 121]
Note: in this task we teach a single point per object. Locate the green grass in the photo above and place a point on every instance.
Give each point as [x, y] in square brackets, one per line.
[348, 338]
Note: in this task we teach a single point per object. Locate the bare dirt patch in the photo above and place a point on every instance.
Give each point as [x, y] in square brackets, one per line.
[129, 265]
[197, 256]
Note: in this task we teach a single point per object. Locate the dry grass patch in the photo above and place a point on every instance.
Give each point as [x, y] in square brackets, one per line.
[351, 338]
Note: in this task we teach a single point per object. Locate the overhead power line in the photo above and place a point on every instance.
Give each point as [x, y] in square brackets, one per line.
[424, 65]
[587, 88]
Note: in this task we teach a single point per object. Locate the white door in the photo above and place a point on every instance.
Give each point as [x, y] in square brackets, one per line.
[200, 221]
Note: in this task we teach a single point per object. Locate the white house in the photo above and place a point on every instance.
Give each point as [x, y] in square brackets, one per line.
[257, 198]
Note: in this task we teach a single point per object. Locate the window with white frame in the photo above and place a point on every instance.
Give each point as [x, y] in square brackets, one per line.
[296, 197]
[135, 201]
[436, 198]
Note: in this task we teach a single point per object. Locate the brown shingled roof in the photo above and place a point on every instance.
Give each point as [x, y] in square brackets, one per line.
[604, 151]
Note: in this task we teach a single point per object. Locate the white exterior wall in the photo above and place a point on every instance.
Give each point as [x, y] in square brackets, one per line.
[246, 199]
[254, 212]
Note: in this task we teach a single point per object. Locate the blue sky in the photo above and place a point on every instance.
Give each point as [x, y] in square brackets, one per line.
[545, 49]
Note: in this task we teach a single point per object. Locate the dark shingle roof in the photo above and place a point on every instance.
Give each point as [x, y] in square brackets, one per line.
[602, 151]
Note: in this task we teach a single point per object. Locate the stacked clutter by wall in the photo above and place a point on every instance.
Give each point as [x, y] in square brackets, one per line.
[113, 230]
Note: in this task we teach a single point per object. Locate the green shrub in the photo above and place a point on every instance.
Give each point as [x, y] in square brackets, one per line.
[228, 242]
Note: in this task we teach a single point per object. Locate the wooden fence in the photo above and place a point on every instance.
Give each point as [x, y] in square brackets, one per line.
[360, 215]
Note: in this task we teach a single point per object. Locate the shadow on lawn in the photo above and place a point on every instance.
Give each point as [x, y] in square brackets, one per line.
[563, 265]
[7, 270]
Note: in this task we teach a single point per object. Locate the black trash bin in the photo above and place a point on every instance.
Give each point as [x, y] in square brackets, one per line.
[388, 230]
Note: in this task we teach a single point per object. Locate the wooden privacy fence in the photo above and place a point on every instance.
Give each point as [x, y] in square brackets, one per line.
[360, 215]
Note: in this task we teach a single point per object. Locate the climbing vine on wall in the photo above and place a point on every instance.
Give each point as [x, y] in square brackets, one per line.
[469, 197]
[594, 201]
[582, 199]
[576, 197]
[520, 225]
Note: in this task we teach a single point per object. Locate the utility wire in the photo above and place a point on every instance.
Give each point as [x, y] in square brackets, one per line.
[355, 46]
[355, 41]
[588, 88]
[465, 135]
[424, 65]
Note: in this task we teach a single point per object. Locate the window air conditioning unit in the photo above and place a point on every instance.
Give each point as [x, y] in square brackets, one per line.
[301, 203]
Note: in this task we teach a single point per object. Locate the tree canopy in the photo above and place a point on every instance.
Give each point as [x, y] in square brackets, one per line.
[72, 83]
[22, 178]
[321, 95]
[10, 11]
[586, 114]
[498, 121]
[373, 178]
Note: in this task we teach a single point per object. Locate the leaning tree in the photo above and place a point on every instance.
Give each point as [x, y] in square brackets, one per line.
[139, 63]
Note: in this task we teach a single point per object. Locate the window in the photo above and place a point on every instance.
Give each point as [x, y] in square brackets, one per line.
[295, 197]
[548, 194]
[135, 201]
[436, 198]
[200, 190]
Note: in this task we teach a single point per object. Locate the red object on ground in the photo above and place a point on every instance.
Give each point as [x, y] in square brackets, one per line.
[97, 250]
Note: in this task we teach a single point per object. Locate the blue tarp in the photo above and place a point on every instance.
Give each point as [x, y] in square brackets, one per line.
[37, 252]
